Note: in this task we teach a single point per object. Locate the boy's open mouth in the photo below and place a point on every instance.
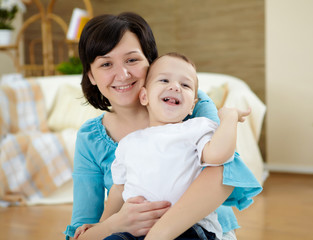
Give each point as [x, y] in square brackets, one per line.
[171, 100]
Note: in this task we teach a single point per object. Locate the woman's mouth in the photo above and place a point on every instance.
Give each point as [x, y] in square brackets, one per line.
[124, 87]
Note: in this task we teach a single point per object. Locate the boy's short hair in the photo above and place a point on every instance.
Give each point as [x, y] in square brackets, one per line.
[179, 56]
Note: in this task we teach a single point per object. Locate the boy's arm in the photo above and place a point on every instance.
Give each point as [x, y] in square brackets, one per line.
[223, 143]
[185, 212]
[115, 201]
[112, 206]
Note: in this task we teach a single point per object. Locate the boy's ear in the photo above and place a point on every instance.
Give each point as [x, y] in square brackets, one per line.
[143, 96]
[193, 106]
[92, 80]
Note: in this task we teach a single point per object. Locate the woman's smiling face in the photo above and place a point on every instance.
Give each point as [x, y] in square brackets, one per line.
[121, 73]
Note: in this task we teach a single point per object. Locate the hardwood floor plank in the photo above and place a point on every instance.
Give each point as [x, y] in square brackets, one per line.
[35, 222]
[283, 211]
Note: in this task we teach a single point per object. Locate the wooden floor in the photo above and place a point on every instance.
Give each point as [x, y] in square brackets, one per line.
[283, 211]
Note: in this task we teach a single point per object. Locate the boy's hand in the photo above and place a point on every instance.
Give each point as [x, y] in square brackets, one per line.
[80, 230]
[241, 115]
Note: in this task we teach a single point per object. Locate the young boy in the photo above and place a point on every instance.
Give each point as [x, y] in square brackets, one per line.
[176, 150]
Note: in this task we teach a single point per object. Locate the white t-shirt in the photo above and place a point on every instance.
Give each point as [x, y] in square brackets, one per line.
[159, 163]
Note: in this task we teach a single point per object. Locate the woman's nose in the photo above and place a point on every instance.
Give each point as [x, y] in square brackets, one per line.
[121, 73]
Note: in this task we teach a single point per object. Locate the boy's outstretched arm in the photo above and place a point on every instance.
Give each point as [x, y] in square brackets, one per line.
[223, 143]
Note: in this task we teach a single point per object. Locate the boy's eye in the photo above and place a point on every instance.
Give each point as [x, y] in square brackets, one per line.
[164, 80]
[185, 85]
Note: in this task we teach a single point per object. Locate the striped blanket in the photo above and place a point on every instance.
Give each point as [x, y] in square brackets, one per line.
[33, 161]
[22, 107]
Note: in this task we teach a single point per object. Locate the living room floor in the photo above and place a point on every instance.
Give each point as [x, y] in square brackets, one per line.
[283, 211]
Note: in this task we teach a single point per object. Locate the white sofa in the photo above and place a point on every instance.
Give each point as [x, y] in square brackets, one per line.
[64, 111]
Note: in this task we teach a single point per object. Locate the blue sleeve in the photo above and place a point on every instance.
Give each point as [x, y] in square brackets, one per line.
[88, 181]
[205, 107]
[235, 173]
[227, 218]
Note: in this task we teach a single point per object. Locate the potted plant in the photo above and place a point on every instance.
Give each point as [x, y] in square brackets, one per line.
[8, 11]
[73, 66]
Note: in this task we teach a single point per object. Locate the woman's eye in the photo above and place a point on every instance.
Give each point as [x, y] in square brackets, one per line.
[106, 65]
[132, 60]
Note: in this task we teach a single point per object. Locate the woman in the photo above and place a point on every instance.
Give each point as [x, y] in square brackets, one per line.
[116, 52]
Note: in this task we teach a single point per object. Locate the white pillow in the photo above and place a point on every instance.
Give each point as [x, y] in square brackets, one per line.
[219, 95]
[69, 109]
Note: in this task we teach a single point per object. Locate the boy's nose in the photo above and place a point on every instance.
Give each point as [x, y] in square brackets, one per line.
[175, 87]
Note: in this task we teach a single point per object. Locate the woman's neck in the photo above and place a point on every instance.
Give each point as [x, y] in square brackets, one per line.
[123, 120]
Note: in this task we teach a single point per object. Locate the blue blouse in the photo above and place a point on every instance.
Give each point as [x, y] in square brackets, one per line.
[95, 152]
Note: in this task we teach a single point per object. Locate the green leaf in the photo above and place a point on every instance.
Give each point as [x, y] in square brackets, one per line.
[73, 66]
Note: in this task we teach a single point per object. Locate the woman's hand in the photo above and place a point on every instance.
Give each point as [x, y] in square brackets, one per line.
[138, 215]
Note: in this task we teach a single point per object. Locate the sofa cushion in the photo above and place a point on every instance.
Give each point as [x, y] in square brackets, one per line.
[69, 109]
[22, 107]
[218, 94]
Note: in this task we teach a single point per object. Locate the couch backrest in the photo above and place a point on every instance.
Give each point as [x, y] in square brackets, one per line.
[51, 84]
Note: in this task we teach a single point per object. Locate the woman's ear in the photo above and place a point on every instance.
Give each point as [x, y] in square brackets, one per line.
[143, 96]
[92, 80]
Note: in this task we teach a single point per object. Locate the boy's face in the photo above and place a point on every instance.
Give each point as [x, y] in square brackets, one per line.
[170, 90]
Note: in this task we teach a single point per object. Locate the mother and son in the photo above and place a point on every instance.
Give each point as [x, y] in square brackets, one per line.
[161, 149]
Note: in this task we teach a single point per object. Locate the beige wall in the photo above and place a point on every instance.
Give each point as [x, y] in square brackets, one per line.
[7, 65]
[289, 85]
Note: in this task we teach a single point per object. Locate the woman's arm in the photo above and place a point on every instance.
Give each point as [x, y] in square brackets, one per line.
[88, 180]
[136, 216]
[203, 196]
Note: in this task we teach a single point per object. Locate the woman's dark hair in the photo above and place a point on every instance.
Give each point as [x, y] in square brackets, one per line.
[99, 36]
